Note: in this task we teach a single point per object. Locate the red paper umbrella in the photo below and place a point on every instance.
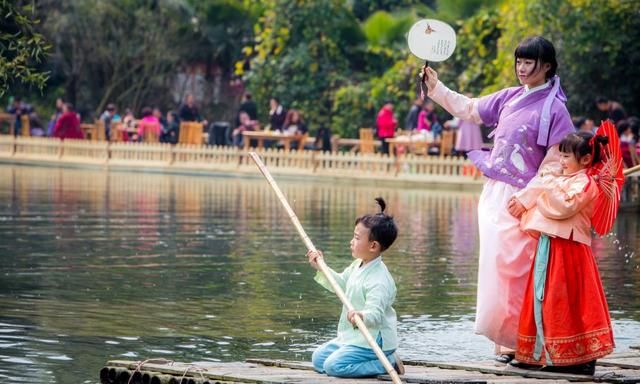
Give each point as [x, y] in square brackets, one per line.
[609, 178]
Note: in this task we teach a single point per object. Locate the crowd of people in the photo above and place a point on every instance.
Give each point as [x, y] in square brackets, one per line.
[65, 122]
[628, 128]
[422, 119]
[152, 121]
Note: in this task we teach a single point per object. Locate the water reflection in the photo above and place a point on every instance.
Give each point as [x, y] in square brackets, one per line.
[99, 265]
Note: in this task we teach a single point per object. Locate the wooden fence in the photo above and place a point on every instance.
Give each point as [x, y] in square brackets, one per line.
[438, 171]
[199, 158]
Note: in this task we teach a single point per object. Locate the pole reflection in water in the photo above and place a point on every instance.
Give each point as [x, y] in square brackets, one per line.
[100, 265]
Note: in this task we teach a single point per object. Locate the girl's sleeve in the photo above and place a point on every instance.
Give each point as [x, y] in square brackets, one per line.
[340, 278]
[379, 296]
[528, 195]
[558, 204]
[458, 105]
[551, 161]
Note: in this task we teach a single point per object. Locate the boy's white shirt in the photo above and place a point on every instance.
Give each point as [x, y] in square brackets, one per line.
[371, 290]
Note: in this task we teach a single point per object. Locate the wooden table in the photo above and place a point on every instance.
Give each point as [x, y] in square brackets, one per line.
[9, 118]
[121, 132]
[414, 143]
[261, 136]
[90, 131]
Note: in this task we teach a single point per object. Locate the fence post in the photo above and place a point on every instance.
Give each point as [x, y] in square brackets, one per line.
[60, 148]
[172, 154]
[314, 162]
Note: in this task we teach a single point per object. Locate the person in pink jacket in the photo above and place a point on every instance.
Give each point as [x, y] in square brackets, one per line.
[386, 123]
[423, 120]
[564, 324]
[148, 123]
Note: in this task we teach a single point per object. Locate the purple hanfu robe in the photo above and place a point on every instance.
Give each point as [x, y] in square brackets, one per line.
[523, 133]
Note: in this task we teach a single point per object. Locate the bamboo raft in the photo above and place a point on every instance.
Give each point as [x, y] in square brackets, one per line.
[617, 368]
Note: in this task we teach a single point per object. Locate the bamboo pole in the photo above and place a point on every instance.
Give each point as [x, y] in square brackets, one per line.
[325, 270]
[631, 170]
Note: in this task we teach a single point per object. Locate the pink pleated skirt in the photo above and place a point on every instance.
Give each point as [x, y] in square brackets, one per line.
[505, 259]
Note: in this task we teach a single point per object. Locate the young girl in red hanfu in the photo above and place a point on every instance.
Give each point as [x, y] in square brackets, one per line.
[564, 323]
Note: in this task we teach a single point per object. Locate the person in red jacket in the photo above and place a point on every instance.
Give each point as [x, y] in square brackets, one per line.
[386, 123]
[68, 125]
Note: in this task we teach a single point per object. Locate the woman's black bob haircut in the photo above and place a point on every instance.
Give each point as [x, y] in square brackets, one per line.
[539, 49]
[381, 226]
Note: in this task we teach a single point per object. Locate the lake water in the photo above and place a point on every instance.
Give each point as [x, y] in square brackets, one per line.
[103, 265]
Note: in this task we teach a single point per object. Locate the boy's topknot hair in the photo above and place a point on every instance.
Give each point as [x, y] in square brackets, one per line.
[381, 226]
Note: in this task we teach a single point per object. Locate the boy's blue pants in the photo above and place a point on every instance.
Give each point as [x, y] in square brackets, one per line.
[341, 360]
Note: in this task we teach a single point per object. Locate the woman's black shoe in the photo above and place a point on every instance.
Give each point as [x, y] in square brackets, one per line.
[517, 364]
[504, 358]
[581, 369]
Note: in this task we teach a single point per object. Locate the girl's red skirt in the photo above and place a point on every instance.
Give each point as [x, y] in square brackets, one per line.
[575, 315]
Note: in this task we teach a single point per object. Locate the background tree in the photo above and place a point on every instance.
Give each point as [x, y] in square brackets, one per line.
[335, 60]
[119, 51]
[362, 9]
[131, 51]
[22, 49]
[597, 43]
[600, 51]
[303, 53]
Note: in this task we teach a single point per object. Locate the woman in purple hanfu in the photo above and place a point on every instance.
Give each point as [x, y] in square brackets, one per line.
[530, 121]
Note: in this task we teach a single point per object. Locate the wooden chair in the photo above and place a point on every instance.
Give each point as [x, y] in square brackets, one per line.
[25, 126]
[6, 120]
[303, 141]
[150, 137]
[90, 131]
[420, 147]
[150, 132]
[366, 140]
[191, 133]
[115, 133]
[446, 142]
[100, 133]
[183, 134]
